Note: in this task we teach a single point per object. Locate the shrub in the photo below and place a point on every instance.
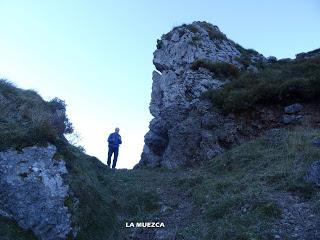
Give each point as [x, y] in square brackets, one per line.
[213, 31]
[10, 229]
[219, 69]
[195, 40]
[26, 119]
[270, 210]
[278, 83]
[191, 28]
[7, 87]
[60, 120]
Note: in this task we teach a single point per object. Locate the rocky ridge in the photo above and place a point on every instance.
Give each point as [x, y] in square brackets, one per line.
[183, 130]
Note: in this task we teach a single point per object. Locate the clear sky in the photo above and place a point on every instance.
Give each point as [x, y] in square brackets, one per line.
[97, 55]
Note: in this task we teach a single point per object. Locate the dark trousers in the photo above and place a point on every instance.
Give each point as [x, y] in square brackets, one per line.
[115, 152]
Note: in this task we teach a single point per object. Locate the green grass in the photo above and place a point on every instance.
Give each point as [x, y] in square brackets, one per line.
[236, 190]
[10, 230]
[218, 69]
[297, 81]
[26, 119]
[212, 32]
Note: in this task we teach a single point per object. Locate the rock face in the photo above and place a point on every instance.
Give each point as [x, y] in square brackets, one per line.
[311, 54]
[33, 191]
[294, 108]
[313, 174]
[291, 115]
[185, 129]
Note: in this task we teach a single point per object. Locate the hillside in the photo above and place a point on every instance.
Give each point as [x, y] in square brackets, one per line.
[233, 152]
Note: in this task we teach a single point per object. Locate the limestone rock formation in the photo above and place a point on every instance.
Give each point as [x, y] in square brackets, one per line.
[307, 55]
[184, 128]
[33, 191]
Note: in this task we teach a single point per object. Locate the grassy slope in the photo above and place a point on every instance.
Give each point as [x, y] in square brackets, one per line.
[235, 196]
[234, 193]
[279, 82]
[241, 185]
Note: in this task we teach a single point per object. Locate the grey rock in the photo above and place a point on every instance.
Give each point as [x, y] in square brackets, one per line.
[307, 55]
[178, 48]
[186, 128]
[155, 142]
[294, 108]
[272, 59]
[291, 119]
[33, 191]
[316, 142]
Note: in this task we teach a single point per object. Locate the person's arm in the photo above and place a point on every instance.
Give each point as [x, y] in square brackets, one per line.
[110, 138]
[120, 141]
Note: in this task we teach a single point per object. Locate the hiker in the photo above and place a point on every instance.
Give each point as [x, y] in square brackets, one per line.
[114, 141]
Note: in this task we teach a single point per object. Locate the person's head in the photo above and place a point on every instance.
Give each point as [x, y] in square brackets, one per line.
[117, 130]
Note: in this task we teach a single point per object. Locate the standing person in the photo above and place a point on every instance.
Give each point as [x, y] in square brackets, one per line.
[114, 140]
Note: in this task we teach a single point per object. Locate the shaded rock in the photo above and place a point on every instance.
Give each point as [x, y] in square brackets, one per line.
[291, 119]
[272, 59]
[149, 158]
[294, 108]
[316, 142]
[155, 142]
[307, 55]
[313, 174]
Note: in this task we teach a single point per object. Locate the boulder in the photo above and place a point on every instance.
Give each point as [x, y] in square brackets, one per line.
[291, 119]
[33, 191]
[294, 108]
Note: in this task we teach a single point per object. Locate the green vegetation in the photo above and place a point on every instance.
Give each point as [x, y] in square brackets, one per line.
[246, 55]
[214, 34]
[107, 199]
[280, 82]
[195, 40]
[26, 119]
[191, 28]
[219, 69]
[10, 230]
[270, 209]
[240, 190]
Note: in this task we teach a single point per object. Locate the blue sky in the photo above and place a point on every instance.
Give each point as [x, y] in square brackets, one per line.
[97, 55]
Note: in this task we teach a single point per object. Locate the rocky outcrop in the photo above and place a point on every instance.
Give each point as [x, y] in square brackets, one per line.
[307, 55]
[33, 191]
[291, 114]
[185, 128]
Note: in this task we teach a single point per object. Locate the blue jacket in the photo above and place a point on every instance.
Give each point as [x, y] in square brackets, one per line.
[114, 140]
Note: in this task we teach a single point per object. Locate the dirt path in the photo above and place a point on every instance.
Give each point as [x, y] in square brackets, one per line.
[177, 213]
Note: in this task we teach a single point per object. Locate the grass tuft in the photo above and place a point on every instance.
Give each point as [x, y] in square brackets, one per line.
[218, 69]
[297, 81]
